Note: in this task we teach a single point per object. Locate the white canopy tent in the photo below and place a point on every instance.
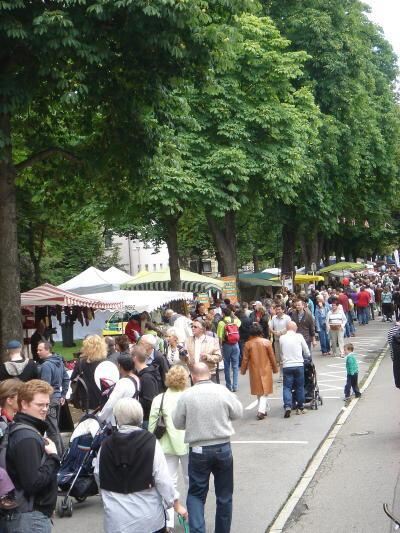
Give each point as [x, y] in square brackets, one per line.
[131, 300]
[90, 281]
[143, 300]
[116, 276]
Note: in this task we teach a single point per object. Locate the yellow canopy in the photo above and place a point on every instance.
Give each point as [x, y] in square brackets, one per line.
[304, 278]
[307, 278]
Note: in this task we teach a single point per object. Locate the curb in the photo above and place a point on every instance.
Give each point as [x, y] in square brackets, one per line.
[287, 509]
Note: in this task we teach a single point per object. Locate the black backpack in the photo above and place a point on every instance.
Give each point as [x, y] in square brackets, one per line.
[6, 431]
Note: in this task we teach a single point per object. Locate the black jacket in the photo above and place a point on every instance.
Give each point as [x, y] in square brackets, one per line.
[150, 385]
[86, 370]
[160, 362]
[36, 477]
[23, 369]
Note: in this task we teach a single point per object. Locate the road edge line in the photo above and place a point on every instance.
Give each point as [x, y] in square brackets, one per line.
[315, 462]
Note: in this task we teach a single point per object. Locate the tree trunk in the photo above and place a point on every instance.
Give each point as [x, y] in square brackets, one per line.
[36, 255]
[311, 249]
[256, 262]
[172, 245]
[10, 308]
[224, 236]
[289, 248]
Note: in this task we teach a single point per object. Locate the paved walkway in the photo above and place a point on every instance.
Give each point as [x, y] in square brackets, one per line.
[361, 470]
[270, 455]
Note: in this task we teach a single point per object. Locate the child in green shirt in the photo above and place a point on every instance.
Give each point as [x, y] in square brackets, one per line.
[352, 372]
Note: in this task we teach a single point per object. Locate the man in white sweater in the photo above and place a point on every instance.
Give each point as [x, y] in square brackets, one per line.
[293, 350]
[206, 411]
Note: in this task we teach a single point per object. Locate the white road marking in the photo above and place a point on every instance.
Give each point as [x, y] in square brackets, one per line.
[331, 398]
[269, 441]
[302, 485]
[252, 405]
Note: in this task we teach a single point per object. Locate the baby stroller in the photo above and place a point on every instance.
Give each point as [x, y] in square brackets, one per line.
[75, 478]
[312, 396]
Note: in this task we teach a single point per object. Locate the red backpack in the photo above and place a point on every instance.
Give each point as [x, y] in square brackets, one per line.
[231, 332]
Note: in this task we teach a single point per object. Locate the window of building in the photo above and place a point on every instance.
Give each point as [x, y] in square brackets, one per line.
[161, 266]
[108, 237]
[207, 267]
[194, 266]
[146, 267]
[138, 268]
[154, 268]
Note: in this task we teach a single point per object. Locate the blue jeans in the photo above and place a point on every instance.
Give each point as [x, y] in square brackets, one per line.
[216, 460]
[350, 323]
[293, 378]
[363, 315]
[231, 355]
[33, 522]
[324, 340]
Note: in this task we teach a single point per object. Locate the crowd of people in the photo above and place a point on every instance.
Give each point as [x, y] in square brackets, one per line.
[168, 411]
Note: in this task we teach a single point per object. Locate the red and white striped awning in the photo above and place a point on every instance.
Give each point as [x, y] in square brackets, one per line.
[47, 294]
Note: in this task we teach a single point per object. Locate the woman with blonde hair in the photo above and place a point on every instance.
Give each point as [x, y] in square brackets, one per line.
[93, 352]
[173, 441]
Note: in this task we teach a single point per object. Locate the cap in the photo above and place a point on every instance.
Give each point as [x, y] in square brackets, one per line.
[13, 345]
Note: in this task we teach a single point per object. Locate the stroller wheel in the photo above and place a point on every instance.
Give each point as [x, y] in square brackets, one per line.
[60, 508]
[68, 507]
[80, 499]
[320, 400]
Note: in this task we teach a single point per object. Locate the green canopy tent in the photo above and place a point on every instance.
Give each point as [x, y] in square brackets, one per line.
[259, 279]
[160, 281]
[342, 266]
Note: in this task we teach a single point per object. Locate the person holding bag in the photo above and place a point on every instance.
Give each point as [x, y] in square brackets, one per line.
[171, 439]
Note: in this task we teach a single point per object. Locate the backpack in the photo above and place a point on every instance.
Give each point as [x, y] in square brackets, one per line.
[6, 430]
[231, 332]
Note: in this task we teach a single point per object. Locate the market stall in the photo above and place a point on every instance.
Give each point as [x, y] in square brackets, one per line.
[59, 310]
[161, 281]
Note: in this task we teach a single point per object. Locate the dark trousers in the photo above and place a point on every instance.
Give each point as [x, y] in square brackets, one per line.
[352, 383]
[387, 310]
[216, 460]
[53, 432]
[293, 379]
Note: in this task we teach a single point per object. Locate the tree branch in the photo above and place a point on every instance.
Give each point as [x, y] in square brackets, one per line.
[45, 154]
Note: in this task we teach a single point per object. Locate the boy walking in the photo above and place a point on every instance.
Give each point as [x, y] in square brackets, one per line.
[352, 372]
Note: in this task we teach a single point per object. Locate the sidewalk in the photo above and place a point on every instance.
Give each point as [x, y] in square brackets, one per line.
[361, 470]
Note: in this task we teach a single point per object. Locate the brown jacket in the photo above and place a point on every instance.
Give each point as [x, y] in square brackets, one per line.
[210, 347]
[259, 358]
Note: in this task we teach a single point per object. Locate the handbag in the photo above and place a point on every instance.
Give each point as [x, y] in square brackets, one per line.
[161, 426]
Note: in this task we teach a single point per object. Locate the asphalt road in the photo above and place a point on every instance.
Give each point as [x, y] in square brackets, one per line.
[270, 455]
[361, 470]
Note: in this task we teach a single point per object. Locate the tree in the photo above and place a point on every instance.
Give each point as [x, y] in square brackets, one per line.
[50, 53]
[351, 69]
[255, 131]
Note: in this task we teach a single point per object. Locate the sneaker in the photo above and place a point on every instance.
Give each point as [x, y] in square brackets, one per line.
[287, 413]
[358, 395]
[260, 416]
[301, 411]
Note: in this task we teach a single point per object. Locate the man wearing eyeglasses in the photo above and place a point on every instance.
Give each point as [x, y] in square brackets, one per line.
[203, 349]
[32, 462]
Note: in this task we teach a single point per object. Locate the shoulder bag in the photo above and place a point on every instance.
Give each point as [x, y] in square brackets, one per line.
[161, 426]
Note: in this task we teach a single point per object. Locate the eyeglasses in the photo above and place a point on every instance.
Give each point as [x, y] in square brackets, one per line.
[41, 405]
